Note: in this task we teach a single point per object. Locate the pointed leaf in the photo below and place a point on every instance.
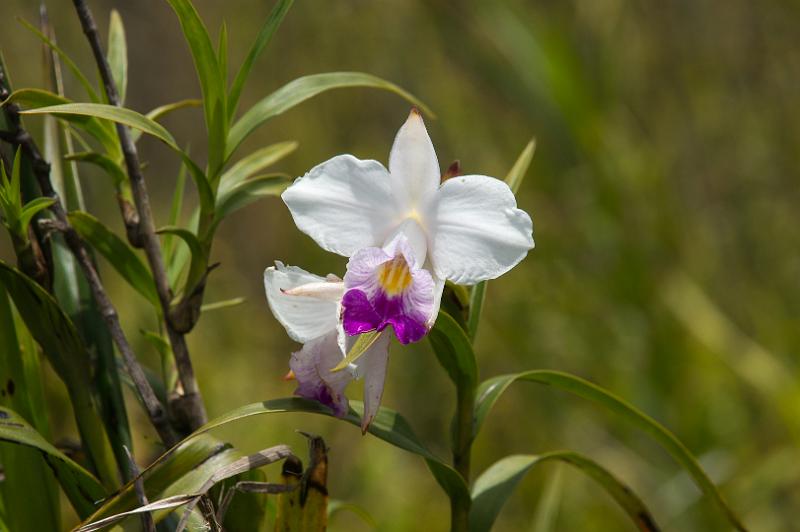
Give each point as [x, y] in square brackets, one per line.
[118, 253]
[31, 209]
[249, 191]
[120, 115]
[118, 54]
[454, 351]
[520, 168]
[63, 347]
[164, 110]
[495, 485]
[361, 345]
[264, 36]
[114, 171]
[491, 390]
[36, 99]
[300, 90]
[387, 425]
[82, 489]
[29, 486]
[64, 57]
[199, 258]
[254, 163]
[212, 82]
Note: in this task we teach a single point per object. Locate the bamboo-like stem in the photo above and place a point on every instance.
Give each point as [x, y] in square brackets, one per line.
[41, 168]
[188, 408]
[462, 450]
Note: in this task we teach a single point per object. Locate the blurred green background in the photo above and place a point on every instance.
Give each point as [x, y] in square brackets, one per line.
[664, 192]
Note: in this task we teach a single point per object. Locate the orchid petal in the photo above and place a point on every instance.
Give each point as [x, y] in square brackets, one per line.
[438, 290]
[305, 317]
[344, 204]
[413, 164]
[311, 367]
[476, 229]
[372, 365]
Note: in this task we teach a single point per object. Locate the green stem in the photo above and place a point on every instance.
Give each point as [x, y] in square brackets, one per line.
[462, 448]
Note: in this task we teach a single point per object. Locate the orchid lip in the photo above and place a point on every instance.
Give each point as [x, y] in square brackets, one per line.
[385, 287]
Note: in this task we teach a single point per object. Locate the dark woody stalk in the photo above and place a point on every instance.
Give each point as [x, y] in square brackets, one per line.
[187, 408]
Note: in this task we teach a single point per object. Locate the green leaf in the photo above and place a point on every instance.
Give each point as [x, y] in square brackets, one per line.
[249, 191]
[520, 168]
[497, 483]
[64, 57]
[217, 305]
[118, 253]
[361, 345]
[490, 391]
[62, 345]
[253, 163]
[163, 110]
[174, 218]
[120, 115]
[300, 90]
[387, 425]
[114, 171]
[31, 209]
[182, 470]
[222, 53]
[476, 298]
[29, 486]
[118, 54]
[36, 99]
[212, 82]
[264, 36]
[81, 487]
[199, 256]
[454, 351]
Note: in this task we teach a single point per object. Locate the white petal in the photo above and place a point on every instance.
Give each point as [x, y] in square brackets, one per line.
[438, 290]
[476, 229]
[413, 164]
[416, 237]
[344, 204]
[304, 318]
[372, 365]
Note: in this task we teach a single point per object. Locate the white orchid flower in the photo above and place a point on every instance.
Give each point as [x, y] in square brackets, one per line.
[309, 308]
[406, 232]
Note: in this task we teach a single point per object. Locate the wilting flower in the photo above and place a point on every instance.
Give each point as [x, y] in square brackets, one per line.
[406, 232]
[309, 307]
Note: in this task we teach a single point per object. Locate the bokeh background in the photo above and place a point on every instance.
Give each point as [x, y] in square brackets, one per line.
[664, 191]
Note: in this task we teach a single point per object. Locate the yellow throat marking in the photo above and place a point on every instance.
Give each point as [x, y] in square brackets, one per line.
[394, 276]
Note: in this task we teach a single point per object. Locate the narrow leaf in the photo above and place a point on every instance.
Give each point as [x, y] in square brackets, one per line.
[80, 486]
[454, 351]
[29, 487]
[520, 168]
[495, 485]
[254, 163]
[38, 98]
[387, 425]
[199, 258]
[114, 171]
[249, 191]
[300, 90]
[361, 345]
[121, 115]
[117, 252]
[64, 57]
[491, 390]
[118, 54]
[264, 36]
[62, 345]
[163, 110]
